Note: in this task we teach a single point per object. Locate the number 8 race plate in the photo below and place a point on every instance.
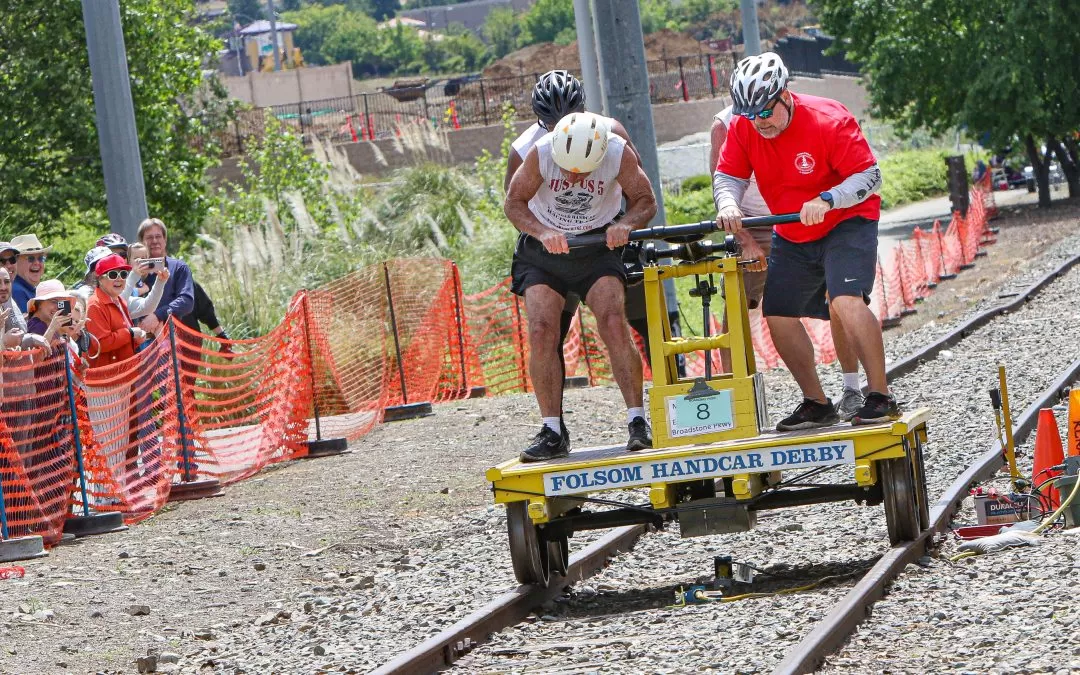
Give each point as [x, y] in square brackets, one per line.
[697, 416]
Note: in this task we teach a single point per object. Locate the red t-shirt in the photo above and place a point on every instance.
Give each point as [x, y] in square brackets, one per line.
[819, 149]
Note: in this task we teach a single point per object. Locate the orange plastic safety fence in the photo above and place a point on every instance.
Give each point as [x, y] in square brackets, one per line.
[131, 446]
[953, 246]
[496, 323]
[348, 325]
[247, 403]
[23, 515]
[422, 296]
[37, 415]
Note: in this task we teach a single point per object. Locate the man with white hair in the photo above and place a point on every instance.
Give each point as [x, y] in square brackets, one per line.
[572, 182]
[810, 156]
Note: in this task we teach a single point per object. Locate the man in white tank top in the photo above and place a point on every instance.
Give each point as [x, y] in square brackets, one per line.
[572, 182]
[556, 94]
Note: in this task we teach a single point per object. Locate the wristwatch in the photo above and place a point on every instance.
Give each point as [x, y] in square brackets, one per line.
[827, 198]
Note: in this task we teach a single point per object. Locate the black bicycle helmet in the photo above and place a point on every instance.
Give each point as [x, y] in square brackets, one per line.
[556, 95]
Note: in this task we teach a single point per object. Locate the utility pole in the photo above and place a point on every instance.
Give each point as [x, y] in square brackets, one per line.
[751, 34]
[118, 137]
[624, 79]
[273, 33]
[590, 75]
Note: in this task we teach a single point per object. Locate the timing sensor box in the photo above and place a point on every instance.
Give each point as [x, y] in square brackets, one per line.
[998, 511]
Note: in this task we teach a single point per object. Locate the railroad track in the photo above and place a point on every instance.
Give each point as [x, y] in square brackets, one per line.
[847, 601]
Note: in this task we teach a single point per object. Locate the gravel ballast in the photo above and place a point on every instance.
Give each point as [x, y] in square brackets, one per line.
[339, 564]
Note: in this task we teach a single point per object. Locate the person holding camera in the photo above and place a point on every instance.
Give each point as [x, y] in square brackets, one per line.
[109, 316]
[49, 311]
[178, 296]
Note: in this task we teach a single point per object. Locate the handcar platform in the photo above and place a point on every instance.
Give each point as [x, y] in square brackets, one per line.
[613, 467]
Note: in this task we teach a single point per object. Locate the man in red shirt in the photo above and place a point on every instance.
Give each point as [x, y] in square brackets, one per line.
[809, 156]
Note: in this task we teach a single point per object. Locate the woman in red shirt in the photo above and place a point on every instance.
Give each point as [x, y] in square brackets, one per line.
[113, 415]
[109, 320]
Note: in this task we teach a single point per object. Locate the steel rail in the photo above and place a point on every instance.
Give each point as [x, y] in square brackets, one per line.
[446, 647]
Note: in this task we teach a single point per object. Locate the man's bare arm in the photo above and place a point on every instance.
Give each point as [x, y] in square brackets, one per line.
[640, 199]
[513, 163]
[523, 186]
[619, 130]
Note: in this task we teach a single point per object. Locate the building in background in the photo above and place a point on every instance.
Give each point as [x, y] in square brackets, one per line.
[250, 48]
[469, 14]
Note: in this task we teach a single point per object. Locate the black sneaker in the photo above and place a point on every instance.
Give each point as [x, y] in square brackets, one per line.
[640, 435]
[546, 445]
[810, 415]
[878, 408]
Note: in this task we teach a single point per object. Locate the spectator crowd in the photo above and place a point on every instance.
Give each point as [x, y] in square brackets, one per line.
[120, 307]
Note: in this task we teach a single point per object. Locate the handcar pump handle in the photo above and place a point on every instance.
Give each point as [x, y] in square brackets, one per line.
[683, 233]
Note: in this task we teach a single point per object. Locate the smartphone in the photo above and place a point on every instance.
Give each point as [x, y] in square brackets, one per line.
[154, 263]
[63, 307]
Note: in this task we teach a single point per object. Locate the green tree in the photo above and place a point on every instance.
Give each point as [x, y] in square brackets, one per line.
[501, 31]
[548, 21]
[246, 11]
[994, 66]
[314, 26]
[383, 9]
[49, 153]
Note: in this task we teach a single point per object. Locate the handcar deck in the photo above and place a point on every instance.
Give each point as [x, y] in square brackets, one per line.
[612, 467]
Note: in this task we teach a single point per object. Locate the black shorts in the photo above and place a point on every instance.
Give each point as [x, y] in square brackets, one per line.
[843, 262]
[573, 272]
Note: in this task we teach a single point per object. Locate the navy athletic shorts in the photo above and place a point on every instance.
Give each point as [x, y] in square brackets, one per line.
[573, 272]
[843, 262]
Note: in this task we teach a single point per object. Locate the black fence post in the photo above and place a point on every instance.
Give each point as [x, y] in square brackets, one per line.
[393, 327]
[682, 79]
[320, 447]
[709, 73]
[368, 127]
[406, 410]
[483, 101]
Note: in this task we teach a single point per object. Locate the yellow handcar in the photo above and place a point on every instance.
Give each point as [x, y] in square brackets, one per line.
[716, 460]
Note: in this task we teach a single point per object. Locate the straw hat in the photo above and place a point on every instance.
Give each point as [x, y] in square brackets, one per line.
[28, 243]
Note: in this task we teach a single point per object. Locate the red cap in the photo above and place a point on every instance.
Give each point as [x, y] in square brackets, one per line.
[112, 262]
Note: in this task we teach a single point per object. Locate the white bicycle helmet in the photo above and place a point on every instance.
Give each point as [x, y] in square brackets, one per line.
[580, 141]
[94, 255]
[756, 81]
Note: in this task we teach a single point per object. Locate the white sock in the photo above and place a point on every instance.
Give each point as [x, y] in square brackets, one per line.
[631, 413]
[851, 381]
[553, 423]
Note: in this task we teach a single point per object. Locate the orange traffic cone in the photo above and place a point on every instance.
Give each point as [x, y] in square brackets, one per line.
[1048, 452]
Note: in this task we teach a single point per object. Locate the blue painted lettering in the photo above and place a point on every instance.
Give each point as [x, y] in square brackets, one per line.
[839, 451]
[693, 466]
[709, 465]
[825, 453]
[793, 456]
[755, 461]
[557, 483]
[630, 474]
[676, 470]
[809, 456]
[659, 470]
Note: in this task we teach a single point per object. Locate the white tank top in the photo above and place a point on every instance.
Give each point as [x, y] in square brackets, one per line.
[586, 205]
[753, 204]
[527, 139]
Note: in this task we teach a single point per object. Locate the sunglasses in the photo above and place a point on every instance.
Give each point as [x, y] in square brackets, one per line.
[116, 274]
[35, 258]
[764, 114]
[9, 261]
